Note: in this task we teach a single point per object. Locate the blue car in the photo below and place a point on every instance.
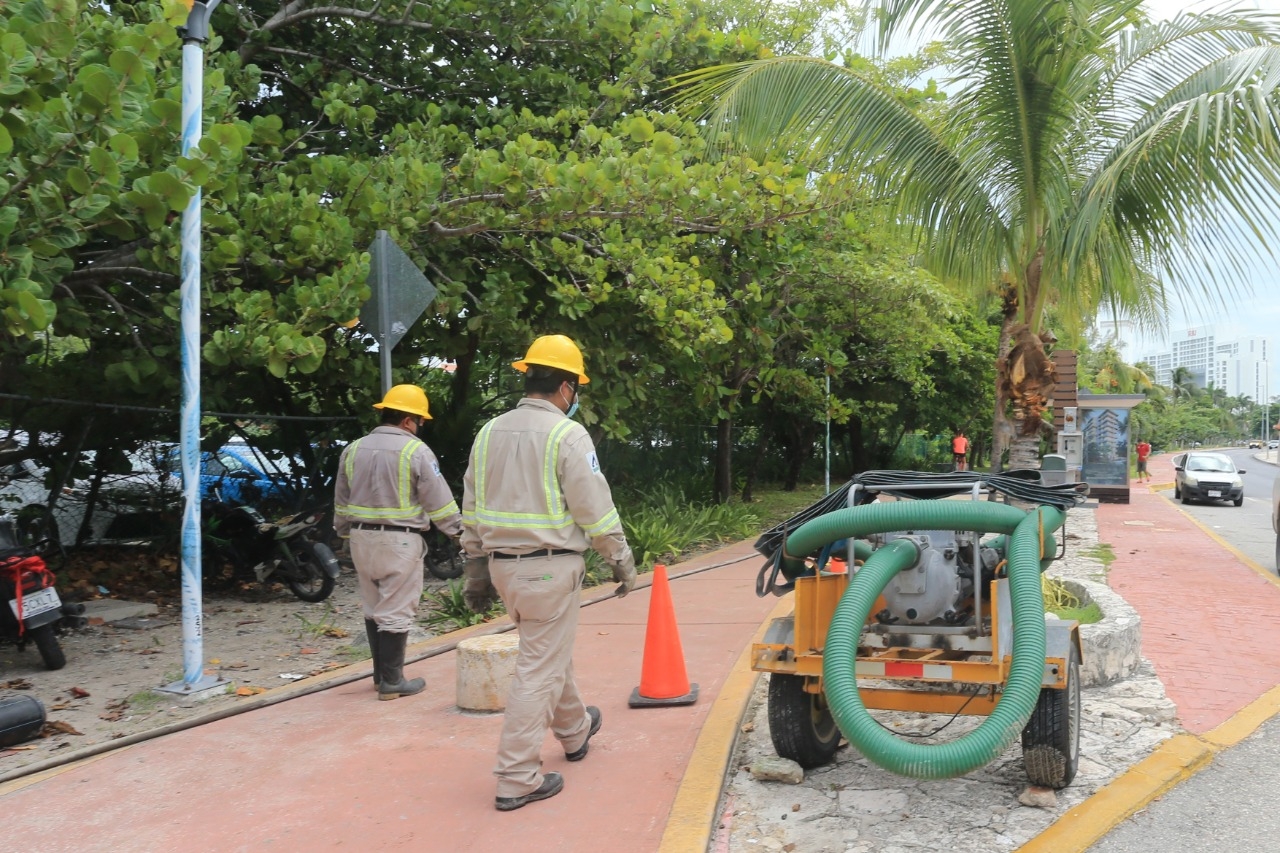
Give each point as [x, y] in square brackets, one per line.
[237, 474]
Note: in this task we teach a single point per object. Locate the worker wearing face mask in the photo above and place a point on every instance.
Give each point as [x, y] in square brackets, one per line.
[388, 493]
[534, 499]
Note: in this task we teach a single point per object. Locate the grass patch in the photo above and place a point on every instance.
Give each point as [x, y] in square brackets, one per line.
[322, 627]
[775, 506]
[1065, 604]
[145, 700]
[1101, 552]
[447, 610]
[1086, 615]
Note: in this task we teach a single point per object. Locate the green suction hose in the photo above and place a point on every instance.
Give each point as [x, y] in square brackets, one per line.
[1029, 543]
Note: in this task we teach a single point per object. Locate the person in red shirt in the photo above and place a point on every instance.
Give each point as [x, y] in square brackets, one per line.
[1144, 450]
[960, 450]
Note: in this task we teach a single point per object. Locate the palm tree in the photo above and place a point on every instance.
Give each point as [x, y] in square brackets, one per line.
[1183, 384]
[1087, 155]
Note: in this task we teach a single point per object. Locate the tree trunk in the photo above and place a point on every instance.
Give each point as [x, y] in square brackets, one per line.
[1002, 431]
[724, 460]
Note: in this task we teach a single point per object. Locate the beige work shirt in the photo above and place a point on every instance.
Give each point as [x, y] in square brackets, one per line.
[534, 481]
[393, 479]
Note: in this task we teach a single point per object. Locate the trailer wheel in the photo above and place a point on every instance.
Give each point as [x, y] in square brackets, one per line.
[1051, 740]
[800, 723]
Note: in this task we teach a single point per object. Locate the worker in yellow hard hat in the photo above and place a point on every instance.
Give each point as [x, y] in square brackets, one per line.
[534, 499]
[389, 492]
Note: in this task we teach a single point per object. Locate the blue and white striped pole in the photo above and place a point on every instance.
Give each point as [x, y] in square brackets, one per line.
[194, 35]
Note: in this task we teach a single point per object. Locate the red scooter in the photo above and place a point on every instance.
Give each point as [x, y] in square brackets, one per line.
[30, 609]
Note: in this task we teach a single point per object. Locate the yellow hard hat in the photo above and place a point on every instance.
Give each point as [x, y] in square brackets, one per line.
[406, 398]
[554, 351]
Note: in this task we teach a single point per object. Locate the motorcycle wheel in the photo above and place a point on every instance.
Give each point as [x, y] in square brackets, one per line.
[312, 582]
[442, 558]
[47, 644]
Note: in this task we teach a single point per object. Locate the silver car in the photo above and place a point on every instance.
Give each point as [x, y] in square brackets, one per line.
[1205, 476]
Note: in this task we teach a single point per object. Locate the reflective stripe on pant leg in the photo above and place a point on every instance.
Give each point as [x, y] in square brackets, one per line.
[540, 595]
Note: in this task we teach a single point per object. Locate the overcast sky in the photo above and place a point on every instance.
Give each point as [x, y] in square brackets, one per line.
[1257, 313]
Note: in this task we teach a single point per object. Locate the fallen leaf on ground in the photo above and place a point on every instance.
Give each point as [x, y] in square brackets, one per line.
[79, 693]
[336, 632]
[214, 661]
[112, 716]
[57, 727]
[307, 651]
[249, 691]
[149, 651]
[17, 684]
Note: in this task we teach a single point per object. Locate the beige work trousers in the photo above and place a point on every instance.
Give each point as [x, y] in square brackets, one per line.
[389, 568]
[541, 596]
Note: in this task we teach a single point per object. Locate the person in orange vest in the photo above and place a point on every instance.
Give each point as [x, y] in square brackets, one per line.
[960, 450]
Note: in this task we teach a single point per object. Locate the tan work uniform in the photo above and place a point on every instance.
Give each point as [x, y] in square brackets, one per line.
[389, 491]
[533, 500]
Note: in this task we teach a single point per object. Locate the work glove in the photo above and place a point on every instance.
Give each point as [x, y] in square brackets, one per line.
[477, 590]
[476, 568]
[479, 594]
[624, 571]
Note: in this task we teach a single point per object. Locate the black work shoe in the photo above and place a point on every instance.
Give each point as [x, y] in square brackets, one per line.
[552, 784]
[596, 719]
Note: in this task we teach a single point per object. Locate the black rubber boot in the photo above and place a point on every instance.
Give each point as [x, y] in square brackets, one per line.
[371, 631]
[391, 654]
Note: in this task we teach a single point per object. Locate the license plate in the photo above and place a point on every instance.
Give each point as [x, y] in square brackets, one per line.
[37, 603]
[1214, 493]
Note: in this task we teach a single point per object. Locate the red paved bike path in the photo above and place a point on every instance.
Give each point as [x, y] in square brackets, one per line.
[1210, 622]
[338, 769]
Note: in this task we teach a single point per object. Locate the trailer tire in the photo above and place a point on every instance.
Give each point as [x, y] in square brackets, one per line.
[800, 723]
[1051, 739]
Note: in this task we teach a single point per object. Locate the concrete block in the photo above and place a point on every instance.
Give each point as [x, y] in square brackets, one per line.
[107, 610]
[485, 668]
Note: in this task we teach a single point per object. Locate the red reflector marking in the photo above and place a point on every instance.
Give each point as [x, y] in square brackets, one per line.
[915, 670]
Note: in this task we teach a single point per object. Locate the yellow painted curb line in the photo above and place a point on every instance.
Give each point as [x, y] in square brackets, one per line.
[695, 810]
[1174, 761]
[1235, 552]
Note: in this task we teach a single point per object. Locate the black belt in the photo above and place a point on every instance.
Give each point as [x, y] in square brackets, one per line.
[390, 528]
[545, 552]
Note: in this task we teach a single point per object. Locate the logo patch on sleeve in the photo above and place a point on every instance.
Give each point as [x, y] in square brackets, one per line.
[594, 462]
[435, 467]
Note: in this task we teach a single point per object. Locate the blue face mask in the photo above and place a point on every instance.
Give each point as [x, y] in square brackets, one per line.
[573, 407]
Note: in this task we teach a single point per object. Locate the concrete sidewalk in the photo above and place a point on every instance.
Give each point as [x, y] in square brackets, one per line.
[338, 768]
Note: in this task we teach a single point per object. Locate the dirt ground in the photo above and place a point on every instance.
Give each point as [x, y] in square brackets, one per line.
[255, 638]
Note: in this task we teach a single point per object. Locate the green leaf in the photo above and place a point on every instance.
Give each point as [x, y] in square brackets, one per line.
[127, 63]
[167, 110]
[33, 308]
[6, 141]
[124, 145]
[78, 179]
[277, 366]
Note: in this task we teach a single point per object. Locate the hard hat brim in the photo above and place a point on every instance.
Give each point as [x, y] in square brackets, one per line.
[523, 365]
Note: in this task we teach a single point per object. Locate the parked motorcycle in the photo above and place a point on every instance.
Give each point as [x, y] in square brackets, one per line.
[30, 609]
[444, 559]
[257, 549]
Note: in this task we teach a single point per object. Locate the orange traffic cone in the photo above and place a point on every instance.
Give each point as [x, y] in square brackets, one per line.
[663, 680]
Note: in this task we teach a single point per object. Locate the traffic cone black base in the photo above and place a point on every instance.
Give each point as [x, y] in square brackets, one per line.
[638, 701]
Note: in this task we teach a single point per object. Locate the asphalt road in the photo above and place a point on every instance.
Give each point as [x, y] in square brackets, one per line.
[1247, 527]
[1230, 805]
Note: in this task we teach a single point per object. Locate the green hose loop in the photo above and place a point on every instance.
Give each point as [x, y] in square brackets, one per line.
[1022, 688]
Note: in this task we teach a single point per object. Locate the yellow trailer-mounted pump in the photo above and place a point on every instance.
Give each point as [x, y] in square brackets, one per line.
[904, 605]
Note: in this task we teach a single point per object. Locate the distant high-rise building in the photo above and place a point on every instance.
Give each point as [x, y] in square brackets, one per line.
[1239, 366]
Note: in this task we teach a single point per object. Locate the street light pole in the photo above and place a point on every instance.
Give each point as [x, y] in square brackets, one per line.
[194, 35]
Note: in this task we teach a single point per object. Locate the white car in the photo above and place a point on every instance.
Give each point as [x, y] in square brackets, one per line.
[125, 510]
[1207, 476]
